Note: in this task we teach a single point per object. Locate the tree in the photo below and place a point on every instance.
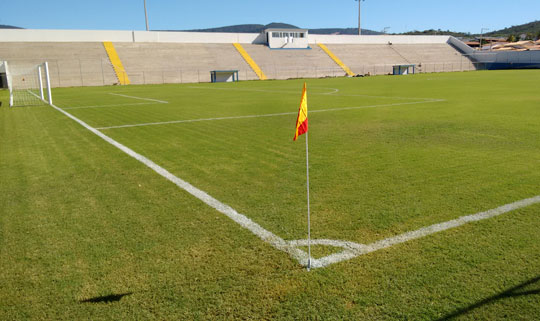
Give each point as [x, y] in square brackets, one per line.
[511, 38]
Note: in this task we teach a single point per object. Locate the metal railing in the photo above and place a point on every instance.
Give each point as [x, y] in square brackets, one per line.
[99, 72]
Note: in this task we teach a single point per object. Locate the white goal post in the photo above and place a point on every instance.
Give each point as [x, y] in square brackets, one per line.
[28, 84]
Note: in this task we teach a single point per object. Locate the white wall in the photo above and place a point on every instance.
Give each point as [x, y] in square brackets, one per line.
[197, 37]
[460, 45]
[375, 40]
[35, 35]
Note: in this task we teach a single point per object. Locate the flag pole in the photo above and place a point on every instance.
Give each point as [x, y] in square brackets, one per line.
[308, 213]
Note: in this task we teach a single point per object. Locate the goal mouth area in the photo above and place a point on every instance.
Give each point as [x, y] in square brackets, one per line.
[28, 83]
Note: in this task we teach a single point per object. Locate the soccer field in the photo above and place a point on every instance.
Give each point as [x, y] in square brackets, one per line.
[191, 200]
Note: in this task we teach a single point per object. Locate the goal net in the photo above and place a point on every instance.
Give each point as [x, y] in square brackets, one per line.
[28, 84]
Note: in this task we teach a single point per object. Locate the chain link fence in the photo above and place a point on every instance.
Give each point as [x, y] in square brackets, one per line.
[99, 72]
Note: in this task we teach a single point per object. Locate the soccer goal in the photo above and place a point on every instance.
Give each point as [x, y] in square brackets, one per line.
[28, 84]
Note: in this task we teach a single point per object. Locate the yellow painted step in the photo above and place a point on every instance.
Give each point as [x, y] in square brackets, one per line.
[118, 67]
[336, 59]
[250, 61]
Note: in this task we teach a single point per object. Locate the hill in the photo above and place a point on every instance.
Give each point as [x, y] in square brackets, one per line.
[246, 28]
[433, 32]
[257, 28]
[342, 31]
[531, 27]
[9, 27]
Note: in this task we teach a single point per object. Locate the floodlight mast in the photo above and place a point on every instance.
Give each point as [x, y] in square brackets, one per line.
[481, 37]
[359, 14]
[146, 15]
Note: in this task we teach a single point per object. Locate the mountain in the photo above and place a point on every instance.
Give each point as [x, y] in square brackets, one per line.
[9, 27]
[342, 31]
[433, 32]
[532, 28]
[256, 28]
[248, 28]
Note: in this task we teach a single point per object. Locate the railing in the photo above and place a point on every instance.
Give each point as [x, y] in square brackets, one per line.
[99, 72]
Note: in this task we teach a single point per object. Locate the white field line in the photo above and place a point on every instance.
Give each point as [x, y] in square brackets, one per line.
[140, 98]
[351, 249]
[104, 106]
[242, 220]
[333, 93]
[265, 115]
[334, 90]
[38, 97]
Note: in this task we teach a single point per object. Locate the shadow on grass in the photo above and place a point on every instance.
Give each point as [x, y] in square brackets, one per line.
[510, 293]
[106, 299]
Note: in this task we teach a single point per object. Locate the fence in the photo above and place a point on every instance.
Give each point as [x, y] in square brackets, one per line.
[99, 71]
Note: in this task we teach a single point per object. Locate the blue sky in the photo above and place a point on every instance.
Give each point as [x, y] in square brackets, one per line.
[399, 16]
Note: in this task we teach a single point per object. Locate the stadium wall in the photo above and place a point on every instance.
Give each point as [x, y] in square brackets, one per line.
[38, 35]
[507, 60]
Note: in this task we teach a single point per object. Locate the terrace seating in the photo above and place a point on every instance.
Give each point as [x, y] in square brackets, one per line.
[87, 64]
[71, 64]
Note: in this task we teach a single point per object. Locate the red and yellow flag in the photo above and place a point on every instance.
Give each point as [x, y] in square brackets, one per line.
[301, 121]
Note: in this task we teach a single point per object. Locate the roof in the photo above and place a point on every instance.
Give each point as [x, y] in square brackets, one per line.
[517, 46]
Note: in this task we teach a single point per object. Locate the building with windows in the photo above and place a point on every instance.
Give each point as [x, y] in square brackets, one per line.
[287, 38]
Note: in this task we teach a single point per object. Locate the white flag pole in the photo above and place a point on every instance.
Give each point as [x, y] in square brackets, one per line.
[308, 214]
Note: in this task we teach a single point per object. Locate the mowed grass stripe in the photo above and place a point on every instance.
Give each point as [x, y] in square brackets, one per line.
[336, 109]
[192, 104]
[227, 169]
[79, 219]
[181, 260]
[425, 158]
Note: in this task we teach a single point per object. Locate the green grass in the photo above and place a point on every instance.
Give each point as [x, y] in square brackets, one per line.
[80, 219]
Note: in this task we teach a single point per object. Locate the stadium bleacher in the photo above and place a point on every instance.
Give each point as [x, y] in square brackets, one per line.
[151, 62]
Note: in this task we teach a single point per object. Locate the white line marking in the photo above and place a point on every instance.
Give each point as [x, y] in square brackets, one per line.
[264, 115]
[194, 120]
[140, 98]
[334, 90]
[311, 93]
[103, 106]
[242, 220]
[352, 250]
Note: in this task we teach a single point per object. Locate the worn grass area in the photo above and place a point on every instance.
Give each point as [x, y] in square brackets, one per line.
[80, 220]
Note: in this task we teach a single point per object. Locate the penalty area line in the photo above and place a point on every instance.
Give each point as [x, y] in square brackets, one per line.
[334, 92]
[266, 115]
[105, 106]
[140, 98]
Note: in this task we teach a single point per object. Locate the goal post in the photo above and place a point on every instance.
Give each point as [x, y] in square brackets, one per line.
[28, 84]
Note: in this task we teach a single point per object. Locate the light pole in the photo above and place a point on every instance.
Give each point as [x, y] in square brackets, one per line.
[481, 36]
[146, 15]
[359, 14]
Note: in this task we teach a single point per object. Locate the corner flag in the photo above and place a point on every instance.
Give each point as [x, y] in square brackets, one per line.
[302, 121]
[302, 128]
